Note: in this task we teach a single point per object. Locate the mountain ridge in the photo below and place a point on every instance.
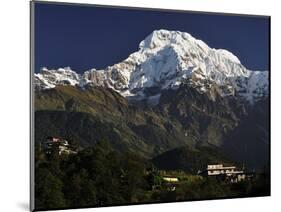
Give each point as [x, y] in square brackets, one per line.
[165, 60]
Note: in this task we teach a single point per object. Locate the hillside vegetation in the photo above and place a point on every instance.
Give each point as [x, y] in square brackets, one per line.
[183, 118]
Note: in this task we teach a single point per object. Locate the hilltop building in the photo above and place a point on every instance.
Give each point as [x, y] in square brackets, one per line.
[62, 146]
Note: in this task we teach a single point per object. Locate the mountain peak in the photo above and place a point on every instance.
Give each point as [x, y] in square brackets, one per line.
[162, 37]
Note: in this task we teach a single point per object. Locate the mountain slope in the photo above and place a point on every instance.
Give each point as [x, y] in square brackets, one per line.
[240, 130]
[191, 119]
[68, 111]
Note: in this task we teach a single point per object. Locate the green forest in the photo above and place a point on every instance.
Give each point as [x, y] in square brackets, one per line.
[101, 176]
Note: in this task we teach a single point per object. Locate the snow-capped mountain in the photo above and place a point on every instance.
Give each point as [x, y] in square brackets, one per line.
[165, 60]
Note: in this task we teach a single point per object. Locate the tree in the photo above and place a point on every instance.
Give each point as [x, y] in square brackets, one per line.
[153, 179]
[133, 176]
[48, 190]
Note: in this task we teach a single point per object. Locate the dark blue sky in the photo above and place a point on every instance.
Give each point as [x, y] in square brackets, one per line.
[90, 37]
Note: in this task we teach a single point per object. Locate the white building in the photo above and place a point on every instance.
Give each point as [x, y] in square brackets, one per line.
[220, 169]
[227, 173]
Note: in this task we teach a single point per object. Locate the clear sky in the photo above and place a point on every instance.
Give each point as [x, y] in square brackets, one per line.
[84, 37]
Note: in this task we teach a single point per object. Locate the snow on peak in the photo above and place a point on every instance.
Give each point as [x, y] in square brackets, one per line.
[160, 38]
[228, 55]
[166, 59]
[46, 78]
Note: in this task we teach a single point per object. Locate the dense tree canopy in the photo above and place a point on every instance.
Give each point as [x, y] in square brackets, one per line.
[100, 176]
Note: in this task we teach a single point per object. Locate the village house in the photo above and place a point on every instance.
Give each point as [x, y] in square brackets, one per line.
[226, 173]
[62, 146]
[170, 179]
